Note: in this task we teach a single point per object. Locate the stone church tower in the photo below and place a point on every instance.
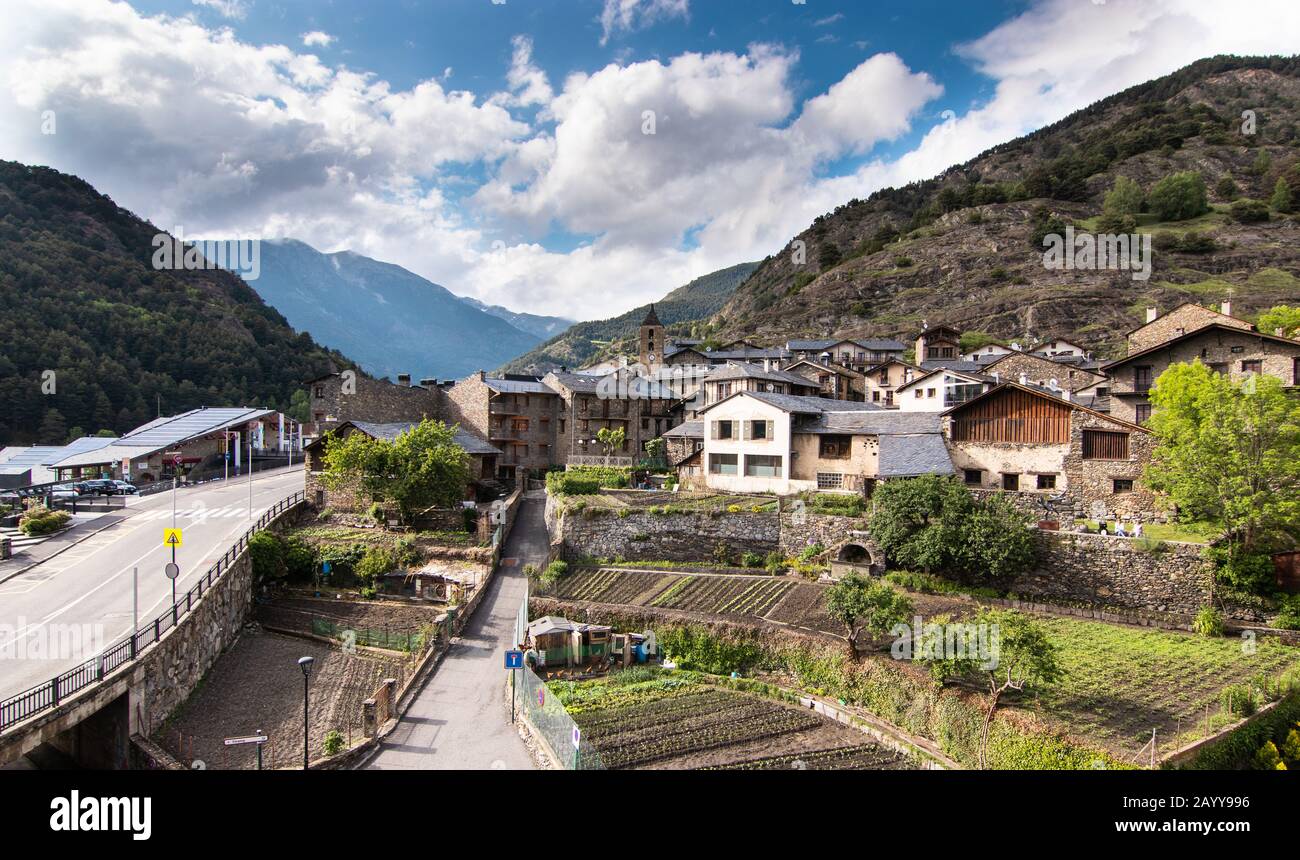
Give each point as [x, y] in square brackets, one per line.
[652, 342]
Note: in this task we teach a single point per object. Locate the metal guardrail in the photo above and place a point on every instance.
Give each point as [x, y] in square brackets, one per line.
[50, 694]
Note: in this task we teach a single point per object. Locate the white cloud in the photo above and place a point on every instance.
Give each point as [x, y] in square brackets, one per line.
[189, 125]
[236, 9]
[317, 38]
[829, 19]
[628, 15]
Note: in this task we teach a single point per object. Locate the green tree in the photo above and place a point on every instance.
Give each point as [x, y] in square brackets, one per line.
[421, 468]
[1226, 189]
[1262, 163]
[1023, 656]
[1124, 198]
[1228, 452]
[863, 605]
[611, 439]
[53, 429]
[1283, 319]
[654, 450]
[1281, 199]
[1179, 196]
[934, 524]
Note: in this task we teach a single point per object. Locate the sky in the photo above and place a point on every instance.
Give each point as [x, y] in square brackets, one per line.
[566, 157]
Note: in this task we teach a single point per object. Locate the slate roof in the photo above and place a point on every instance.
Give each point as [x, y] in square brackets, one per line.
[749, 371]
[810, 405]
[688, 430]
[638, 386]
[748, 352]
[954, 364]
[906, 456]
[516, 386]
[878, 423]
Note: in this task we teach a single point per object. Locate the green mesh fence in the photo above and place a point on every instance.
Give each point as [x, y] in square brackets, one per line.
[538, 704]
[389, 640]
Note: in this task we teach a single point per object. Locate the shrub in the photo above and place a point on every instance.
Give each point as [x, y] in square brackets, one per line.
[1268, 758]
[299, 558]
[1249, 211]
[1208, 622]
[722, 554]
[751, 559]
[376, 512]
[43, 521]
[775, 563]
[266, 550]
[1238, 700]
[903, 262]
[571, 484]
[1289, 618]
[375, 563]
[333, 742]
[1179, 197]
[810, 552]
[555, 571]
[1250, 573]
[1226, 189]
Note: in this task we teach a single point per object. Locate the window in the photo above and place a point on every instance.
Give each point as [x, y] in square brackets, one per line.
[929, 393]
[875, 396]
[724, 430]
[974, 477]
[1142, 378]
[1142, 412]
[759, 431]
[519, 425]
[320, 391]
[1104, 445]
[1219, 367]
[835, 447]
[829, 481]
[562, 422]
[645, 424]
[1047, 482]
[1123, 485]
[919, 394]
[1237, 350]
[762, 466]
[1010, 481]
[723, 464]
[1253, 365]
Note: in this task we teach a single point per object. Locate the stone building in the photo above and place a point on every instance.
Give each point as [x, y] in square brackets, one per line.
[1037, 370]
[518, 415]
[683, 441]
[643, 408]
[483, 465]
[731, 378]
[349, 396]
[1024, 440]
[1231, 350]
[833, 380]
[858, 354]
[1184, 319]
[881, 383]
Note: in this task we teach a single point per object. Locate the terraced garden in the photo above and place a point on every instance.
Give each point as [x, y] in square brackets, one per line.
[646, 718]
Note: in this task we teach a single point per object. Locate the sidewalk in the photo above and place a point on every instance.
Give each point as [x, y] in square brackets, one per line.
[27, 557]
[459, 721]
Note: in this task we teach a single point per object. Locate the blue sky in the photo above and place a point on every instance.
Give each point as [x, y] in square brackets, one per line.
[571, 157]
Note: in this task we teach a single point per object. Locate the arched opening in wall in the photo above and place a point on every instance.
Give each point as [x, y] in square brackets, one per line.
[854, 554]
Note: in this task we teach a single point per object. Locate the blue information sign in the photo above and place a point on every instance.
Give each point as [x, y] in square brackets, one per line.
[514, 659]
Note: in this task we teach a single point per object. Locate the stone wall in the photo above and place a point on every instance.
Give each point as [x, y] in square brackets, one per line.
[375, 400]
[1109, 571]
[800, 529]
[643, 536]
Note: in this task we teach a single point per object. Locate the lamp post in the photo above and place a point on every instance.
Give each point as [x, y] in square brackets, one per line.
[304, 663]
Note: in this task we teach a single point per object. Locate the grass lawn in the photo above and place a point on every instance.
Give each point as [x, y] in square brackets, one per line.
[1121, 682]
[1180, 532]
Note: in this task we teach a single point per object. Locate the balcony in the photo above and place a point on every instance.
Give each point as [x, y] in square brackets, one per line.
[588, 460]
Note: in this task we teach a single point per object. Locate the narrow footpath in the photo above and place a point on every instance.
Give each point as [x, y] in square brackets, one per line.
[459, 720]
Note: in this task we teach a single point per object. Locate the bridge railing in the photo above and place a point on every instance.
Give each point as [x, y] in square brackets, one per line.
[51, 693]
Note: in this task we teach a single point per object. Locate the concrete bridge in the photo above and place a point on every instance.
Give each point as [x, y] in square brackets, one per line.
[98, 714]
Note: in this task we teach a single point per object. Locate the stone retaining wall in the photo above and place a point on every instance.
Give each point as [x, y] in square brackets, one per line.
[639, 535]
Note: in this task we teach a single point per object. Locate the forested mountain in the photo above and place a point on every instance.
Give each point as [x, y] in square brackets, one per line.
[683, 311]
[965, 248]
[83, 302]
[387, 318]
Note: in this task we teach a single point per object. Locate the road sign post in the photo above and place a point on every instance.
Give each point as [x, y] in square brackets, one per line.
[259, 738]
[514, 662]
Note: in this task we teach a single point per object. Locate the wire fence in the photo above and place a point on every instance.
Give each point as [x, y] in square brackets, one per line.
[550, 722]
[390, 640]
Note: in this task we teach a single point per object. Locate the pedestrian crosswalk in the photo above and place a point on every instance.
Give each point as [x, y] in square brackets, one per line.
[196, 512]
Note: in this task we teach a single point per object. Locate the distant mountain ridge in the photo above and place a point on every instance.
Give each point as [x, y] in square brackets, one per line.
[388, 319]
[585, 342]
[539, 326]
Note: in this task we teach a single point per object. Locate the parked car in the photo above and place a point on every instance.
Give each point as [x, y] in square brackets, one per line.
[97, 487]
[64, 492]
[125, 488]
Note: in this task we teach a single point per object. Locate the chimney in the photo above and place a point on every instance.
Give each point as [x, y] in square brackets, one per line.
[1226, 307]
[429, 383]
[1152, 313]
[1024, 380]
[404, 379]
[997, 377]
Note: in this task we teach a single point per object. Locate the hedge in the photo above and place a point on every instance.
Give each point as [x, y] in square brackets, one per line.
[43, 522]
[1236, 751]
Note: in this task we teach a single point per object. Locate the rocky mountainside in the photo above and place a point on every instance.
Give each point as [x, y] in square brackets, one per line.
[965, 248]
[682, 311]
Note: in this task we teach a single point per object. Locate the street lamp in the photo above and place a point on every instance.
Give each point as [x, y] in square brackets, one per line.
[304, 663]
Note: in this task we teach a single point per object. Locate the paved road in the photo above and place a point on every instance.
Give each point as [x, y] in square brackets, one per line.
[66, 609]
[459, 721]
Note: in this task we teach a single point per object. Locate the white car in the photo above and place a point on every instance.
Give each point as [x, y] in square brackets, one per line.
[64, 492]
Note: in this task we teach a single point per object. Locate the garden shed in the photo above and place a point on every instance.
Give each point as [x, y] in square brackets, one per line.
[559, 642]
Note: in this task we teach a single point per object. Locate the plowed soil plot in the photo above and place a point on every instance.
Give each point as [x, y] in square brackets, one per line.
[605, 585]
[296, 613]
[684, 726]
[861, 757]
[725, 595]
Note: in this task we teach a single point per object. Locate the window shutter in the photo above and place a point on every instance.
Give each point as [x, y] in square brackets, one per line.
[770, 429]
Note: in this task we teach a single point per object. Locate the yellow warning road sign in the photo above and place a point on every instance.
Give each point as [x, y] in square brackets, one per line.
[171, 537]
